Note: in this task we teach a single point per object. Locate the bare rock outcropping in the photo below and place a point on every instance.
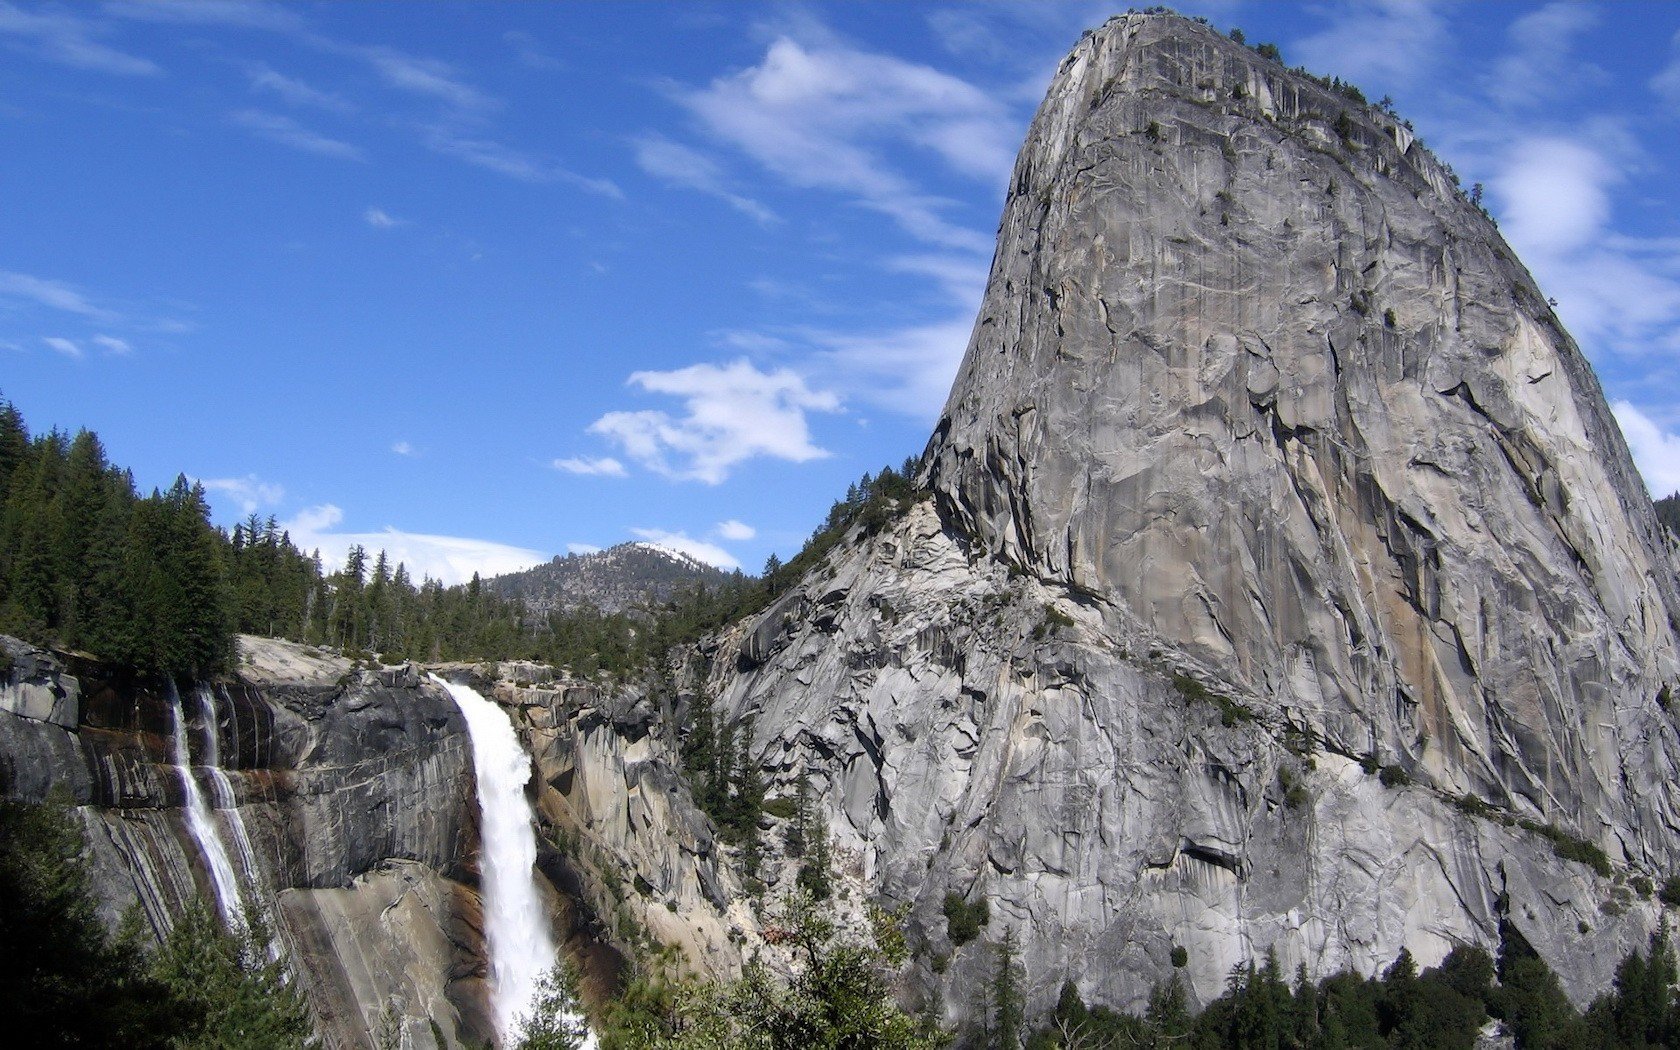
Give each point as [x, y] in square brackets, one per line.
[342, 797]
[1286, 583]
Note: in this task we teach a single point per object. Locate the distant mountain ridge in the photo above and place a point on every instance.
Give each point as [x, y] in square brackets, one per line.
[618, 579]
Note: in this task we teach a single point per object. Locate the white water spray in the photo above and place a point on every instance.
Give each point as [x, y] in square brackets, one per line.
[201, 823]
[515, 924]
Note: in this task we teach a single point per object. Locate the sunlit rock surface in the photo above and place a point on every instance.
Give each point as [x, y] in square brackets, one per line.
[1267, 467]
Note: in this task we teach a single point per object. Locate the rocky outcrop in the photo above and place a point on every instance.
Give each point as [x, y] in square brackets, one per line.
[348, 815]
[636, 863]
[1286, 583]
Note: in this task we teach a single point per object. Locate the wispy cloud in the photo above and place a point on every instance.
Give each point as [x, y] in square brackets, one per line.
[69, 40]
[229, 14]
[403, 448]
[55, 295]
[515, 164]
[529, 52]
[380, 219]
[1554, 196]
[1540, 65]
[427, 77]
[734, 413]
[1655, 450]
[1389, 41]
[605, 466]
[1667, 82]
[284, 130]
[905, 370]
[818, 114]
[69, 348]
[295, 91]
[449, 559]
[738, 531]
[681, 166]
[250, 492]
[684, 544]
[111, 344]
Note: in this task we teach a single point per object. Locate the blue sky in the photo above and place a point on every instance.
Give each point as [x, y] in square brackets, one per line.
[486, 283]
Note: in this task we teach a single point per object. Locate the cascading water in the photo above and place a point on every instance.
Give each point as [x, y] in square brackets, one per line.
[222, 797]
[201, 823]
[515, 924]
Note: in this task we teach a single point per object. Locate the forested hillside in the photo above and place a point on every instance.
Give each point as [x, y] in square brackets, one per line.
[88, 562]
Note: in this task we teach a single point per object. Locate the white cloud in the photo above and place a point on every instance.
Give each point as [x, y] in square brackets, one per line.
[734, 413]
[736, 530]
[403, 448]
[424, 76]
[582, 548]
[250, 491]
[294, 90]
[1555, 194]
[1554, 199]
[605, 466]
[68, 40]
[287, 132]
[1667, 82]
[55, 295]
[113, 345]
[906, 370]
[515, 164]
[59, 344]
[380, 219]
[1656, 451]
[961, 278]
[1389, 41]
[819, 116]
[681, 166]
[682, 543]
[1540, 67]
[450, 559]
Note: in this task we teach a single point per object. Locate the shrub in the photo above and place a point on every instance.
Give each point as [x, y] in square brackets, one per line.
[1472, 805]
[962, 919]
[1670, 892]
[1394, 776]
[1572, 847]
[784, 808]
[1180, 957]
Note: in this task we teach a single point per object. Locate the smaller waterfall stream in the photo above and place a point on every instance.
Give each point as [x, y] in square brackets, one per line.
[515, 923]
[201, 822]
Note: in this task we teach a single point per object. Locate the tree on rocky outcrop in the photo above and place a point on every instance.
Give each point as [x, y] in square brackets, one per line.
[231, 995]
[64, 981]
[1008, 1004]
[816, 876]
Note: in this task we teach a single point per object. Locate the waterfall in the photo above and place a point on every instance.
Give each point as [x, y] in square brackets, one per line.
[515, 924]
[222, 796]
[201, 823]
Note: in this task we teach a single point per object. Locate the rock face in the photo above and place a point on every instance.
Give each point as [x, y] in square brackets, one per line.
[1267, 468]
[348, 815]
[635, 862]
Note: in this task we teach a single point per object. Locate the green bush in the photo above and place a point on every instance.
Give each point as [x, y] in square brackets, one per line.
[1572, 847]
[1670, 892]
[962, 919]
[784, 808]
[1394, 776]
[1180, 957]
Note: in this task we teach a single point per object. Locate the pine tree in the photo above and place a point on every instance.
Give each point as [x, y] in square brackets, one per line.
[1008, 1007]
[555, 1019]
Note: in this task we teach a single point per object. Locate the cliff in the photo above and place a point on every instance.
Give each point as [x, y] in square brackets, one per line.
[1286, 583]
